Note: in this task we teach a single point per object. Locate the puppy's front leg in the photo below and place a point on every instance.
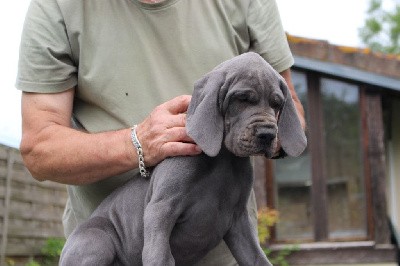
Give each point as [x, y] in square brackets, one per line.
[159, 220]
[243, 242]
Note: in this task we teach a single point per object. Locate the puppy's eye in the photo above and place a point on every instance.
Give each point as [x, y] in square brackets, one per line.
[276, 101]
[246, 96]
[243, 97]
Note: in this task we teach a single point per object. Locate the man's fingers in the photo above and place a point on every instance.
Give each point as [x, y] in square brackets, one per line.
[163, 133]
[176, 121]
[181, 149]
[178, 134]
[178, 104]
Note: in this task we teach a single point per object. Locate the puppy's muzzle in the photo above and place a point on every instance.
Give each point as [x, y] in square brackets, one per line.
[266, 134]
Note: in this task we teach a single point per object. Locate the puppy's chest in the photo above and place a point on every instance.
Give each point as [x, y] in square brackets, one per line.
[219, 194]
[223, 180]
[200, 184]
[208, 215]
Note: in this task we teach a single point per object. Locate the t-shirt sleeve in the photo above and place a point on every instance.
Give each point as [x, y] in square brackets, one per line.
[46, 63]
[267, 35]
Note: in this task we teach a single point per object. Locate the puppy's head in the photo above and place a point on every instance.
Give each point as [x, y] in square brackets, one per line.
[250, 110]
[245, 104]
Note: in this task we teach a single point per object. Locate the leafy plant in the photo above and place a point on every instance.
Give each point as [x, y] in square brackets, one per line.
[381, 30]
[280, 257]
[266, 219]
[32, 263]
[53, 247]
[51, 252]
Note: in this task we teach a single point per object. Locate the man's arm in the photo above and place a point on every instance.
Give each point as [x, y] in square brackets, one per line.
[286, 74]
[52, 150]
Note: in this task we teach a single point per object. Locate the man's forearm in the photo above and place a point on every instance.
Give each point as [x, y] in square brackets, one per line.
[69, 156]
[52, 150]
[286, 74]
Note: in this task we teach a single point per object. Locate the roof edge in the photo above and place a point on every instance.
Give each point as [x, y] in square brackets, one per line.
[346, 72]
[360, 58]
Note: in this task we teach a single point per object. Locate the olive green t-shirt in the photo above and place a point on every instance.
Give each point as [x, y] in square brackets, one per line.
[124, 57]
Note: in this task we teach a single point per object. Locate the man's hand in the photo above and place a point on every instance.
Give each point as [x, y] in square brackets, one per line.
[163, 134]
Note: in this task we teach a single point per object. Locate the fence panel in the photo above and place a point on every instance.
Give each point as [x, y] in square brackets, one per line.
[30, 211]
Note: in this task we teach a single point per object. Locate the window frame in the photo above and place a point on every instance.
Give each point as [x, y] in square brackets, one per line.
[371, 133]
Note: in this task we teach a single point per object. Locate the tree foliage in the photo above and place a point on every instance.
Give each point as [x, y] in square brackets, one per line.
[381, 30]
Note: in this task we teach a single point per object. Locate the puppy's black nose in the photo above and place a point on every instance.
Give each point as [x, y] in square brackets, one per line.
[265, 134]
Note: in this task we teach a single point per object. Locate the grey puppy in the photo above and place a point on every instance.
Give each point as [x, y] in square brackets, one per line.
[239, 109]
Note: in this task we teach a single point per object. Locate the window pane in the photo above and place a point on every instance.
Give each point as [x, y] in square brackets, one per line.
[346, 195]
[293, 184]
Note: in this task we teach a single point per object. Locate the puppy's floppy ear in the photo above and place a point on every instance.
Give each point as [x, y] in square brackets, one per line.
[290, 132]
[204, 119]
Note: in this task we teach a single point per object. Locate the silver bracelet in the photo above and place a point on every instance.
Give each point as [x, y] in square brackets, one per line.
[138, 146]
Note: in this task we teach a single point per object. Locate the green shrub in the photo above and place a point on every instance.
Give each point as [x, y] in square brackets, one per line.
[32, 263]
[53, 247]
[266, 219]
[51, 252]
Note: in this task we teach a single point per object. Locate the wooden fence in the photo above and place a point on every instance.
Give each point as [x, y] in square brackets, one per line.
[30, 211]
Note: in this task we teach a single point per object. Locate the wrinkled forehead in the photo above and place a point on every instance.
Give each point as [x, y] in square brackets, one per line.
[263, 79]
[261, 91]
[250, 66]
